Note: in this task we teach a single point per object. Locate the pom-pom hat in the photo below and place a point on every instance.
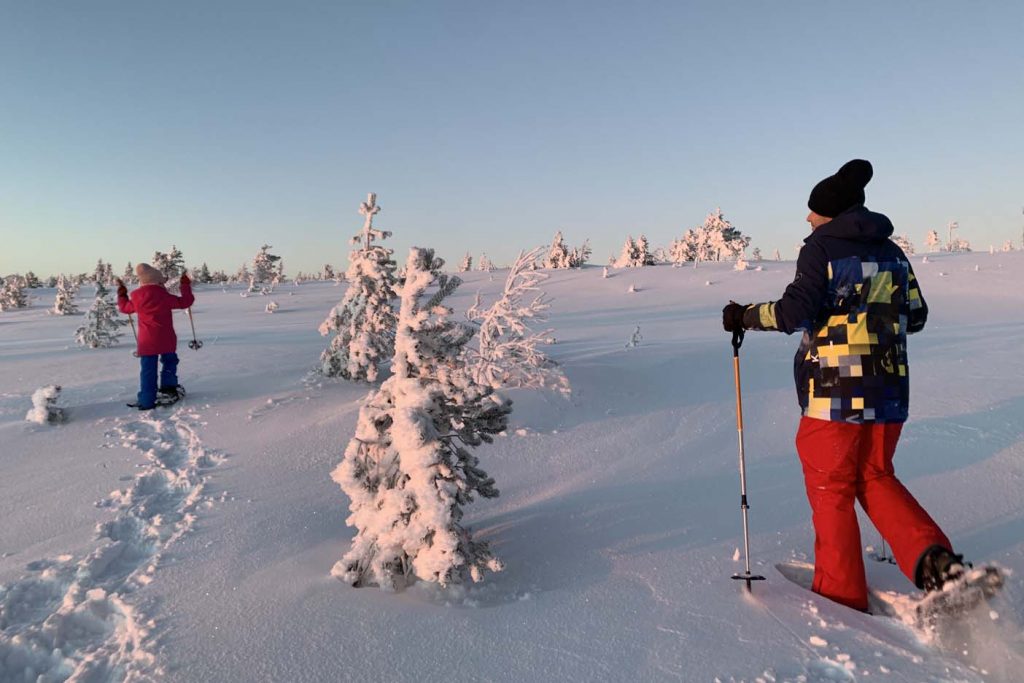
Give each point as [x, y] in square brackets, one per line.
[839, 192]
[148, 275]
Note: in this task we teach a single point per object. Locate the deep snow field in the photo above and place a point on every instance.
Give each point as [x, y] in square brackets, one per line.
[195, 543]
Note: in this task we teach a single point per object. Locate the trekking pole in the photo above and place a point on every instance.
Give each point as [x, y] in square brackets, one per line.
[737, 341]
[131, 321]
[195, 344]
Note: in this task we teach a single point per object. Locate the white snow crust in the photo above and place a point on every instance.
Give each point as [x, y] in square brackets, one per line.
[131, 549]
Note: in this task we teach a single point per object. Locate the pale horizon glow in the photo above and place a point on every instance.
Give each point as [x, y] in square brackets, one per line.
[485, 127]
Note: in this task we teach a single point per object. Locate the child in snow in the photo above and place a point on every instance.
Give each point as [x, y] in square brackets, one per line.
[153, 304]
[856, 299]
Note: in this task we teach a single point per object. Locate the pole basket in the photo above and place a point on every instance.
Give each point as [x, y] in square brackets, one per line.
[749, 578]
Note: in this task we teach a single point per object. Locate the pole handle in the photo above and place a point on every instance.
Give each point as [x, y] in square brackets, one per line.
[737, 341]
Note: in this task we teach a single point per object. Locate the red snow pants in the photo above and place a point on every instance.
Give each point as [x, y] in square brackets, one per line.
[844, 462]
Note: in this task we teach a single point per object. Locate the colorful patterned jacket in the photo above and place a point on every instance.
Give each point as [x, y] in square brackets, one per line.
[856, 298]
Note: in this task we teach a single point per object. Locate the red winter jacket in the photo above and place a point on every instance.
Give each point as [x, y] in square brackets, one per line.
[154, 304]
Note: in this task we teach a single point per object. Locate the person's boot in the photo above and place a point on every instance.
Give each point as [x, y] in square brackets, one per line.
[938, 566]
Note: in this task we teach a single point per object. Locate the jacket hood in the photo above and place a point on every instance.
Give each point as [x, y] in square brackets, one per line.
[858, 224]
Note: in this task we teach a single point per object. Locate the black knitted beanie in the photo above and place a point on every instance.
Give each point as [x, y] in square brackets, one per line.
[839, 192]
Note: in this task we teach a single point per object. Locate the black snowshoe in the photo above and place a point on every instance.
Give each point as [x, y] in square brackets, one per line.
[953, 587]
[167, 396]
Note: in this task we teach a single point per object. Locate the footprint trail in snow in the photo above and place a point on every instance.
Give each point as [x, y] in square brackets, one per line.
[74, 619]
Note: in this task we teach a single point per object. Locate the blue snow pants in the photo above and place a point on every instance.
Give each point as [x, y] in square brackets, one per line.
[147, 378]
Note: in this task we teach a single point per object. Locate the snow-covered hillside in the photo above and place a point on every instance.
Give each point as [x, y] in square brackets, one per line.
[196, 544]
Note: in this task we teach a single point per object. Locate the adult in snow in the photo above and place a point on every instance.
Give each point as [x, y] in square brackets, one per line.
[856, 299]
[157, 340]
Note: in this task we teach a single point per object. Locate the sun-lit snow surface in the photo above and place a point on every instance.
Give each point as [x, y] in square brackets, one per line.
[618, 520]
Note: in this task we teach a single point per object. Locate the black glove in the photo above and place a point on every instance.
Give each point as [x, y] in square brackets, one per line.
[732, 317]
[121, 289]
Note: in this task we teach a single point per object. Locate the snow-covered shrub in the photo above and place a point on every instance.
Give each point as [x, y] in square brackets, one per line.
[933, 240]
[12, 296]
[409, 470]
[756, 255]
[957, 245]
[604, 272]
[634, 339]
[44, 406]
[741, 263]
[508, 352]
[632, 289]
[363, 323]
[102, 327]
[466, 264]
[272, 306]
[1008, 245]
[64, 303]
[776, 255]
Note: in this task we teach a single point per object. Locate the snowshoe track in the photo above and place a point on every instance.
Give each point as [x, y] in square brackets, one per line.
[74, 619]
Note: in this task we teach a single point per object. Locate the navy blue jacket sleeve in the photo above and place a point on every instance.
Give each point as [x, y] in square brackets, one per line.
[801, 302]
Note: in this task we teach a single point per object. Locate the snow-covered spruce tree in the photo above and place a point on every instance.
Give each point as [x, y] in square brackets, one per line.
[128, 276]
[957, 244]
[363, 323]
[171, 264]
[51, 281]
[776, 255]
[102, 327]
[12, 295]
[64, 303]
[485, 264]
[31, 281]
[904, 243]
[627, 257]
[933, 240]
[756, 255]
[1008, 245]
[507, 353]
[409, 469]
[466, 264]
[203, 276]
[726, 241]
[645, 255]
[263, 265]
[328, 272]
[558, 254]
[44, 406]
[579, 256]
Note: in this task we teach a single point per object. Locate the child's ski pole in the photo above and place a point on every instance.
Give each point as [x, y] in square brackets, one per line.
[195, 344]
[131, 321]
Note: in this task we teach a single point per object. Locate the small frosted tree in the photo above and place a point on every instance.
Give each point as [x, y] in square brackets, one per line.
[12, 295]
[776, 255]
[904, 243]
[203, 276]
[409, 470]
[328, 272]
[171, 264]
[64, 302]
[102, 327]
[756, 255]
[508, 351]
[558, 254]
[933, 240]
[580, 255]
[629, 254]
[128, 276]
[485, 264]
[263, 265]
[31, 281]
[1008, 245]
[466, 264]
[363, 323]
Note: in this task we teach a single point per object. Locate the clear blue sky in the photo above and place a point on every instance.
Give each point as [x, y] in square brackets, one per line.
[128, 126]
